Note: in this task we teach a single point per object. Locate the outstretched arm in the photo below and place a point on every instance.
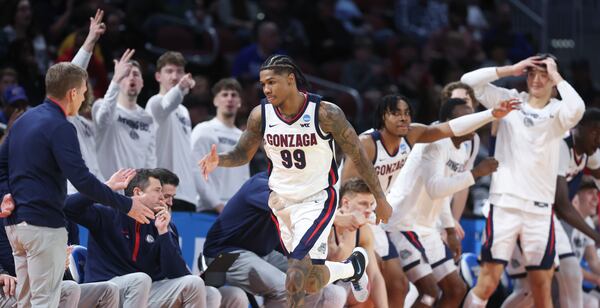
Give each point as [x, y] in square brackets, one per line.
[243, 151]
[333, 121]
[460, 126]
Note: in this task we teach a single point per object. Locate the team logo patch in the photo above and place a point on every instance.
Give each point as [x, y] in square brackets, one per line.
[402, 147]
[149, 239]
[404, 254]
[306, 118]
[515, 263]
[527, 121]
[134, 135]
[322, 248]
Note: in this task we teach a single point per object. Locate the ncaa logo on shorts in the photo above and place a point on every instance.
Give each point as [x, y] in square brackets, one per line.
[306, 118]
[404, 254]
[149, 239]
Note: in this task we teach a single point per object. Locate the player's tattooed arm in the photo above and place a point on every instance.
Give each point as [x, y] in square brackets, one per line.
[249, 142]
[295, 281]
[332, 120]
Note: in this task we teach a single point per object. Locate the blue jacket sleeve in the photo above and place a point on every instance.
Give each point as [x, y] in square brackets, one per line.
[171, 260]
[65, 148]
[4, 189]
[82, 210]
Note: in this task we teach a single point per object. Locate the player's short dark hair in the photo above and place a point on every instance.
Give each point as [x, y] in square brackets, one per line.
[543, 56]
[62, 77]
[227, 84]
[354, 186]
[590, 116]
[447, 109]
[388, 103]
[170, 57]
[140, 180]
[166, 176]
[281, 64]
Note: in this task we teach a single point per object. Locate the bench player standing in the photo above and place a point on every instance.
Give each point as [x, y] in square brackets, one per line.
[523, 188]
[298, 131]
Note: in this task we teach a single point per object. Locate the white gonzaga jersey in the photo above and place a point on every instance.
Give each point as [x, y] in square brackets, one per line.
[300, 155]
[388, 165]
[432, 174]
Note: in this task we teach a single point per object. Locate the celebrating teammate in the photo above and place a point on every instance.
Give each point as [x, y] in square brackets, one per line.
[523, 188]
[299, 131]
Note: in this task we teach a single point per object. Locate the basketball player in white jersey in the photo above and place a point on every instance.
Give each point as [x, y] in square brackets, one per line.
[298, 131]
[461, 90]
[421, 197]
[523, 188]
[578, 151]
[388, 147]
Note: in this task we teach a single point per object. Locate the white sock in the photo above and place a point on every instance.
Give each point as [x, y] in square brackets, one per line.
[473, 301]
[339, 270]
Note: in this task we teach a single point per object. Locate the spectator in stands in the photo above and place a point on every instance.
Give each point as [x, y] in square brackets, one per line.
[21, 26]
[420, 18]
[584, 84]
[222, 133]
[174, 128]
[246, 227]
[248, 61]
[125, 132]
[291, 31]
[21, 56]
[366, 72]
[238, 17]
[230, 296]
[8, 77]
[15, 101]
[150, 270]
[329, 40]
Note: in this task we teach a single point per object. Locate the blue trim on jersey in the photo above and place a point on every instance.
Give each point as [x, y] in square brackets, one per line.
[375, 142]
[269, 166]
[486, 249]
[574, 185]
[314, 232]
[492, 146]
[317, 101]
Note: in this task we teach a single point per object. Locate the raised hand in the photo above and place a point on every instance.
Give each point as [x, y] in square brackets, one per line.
[122, 66]
[8, 206]
[552, 70]
[120, 179]
[209, 162]
[520, 68]
[187, 82]
[97, 28]
[383, 211]
[139, 211]
[505, 107]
